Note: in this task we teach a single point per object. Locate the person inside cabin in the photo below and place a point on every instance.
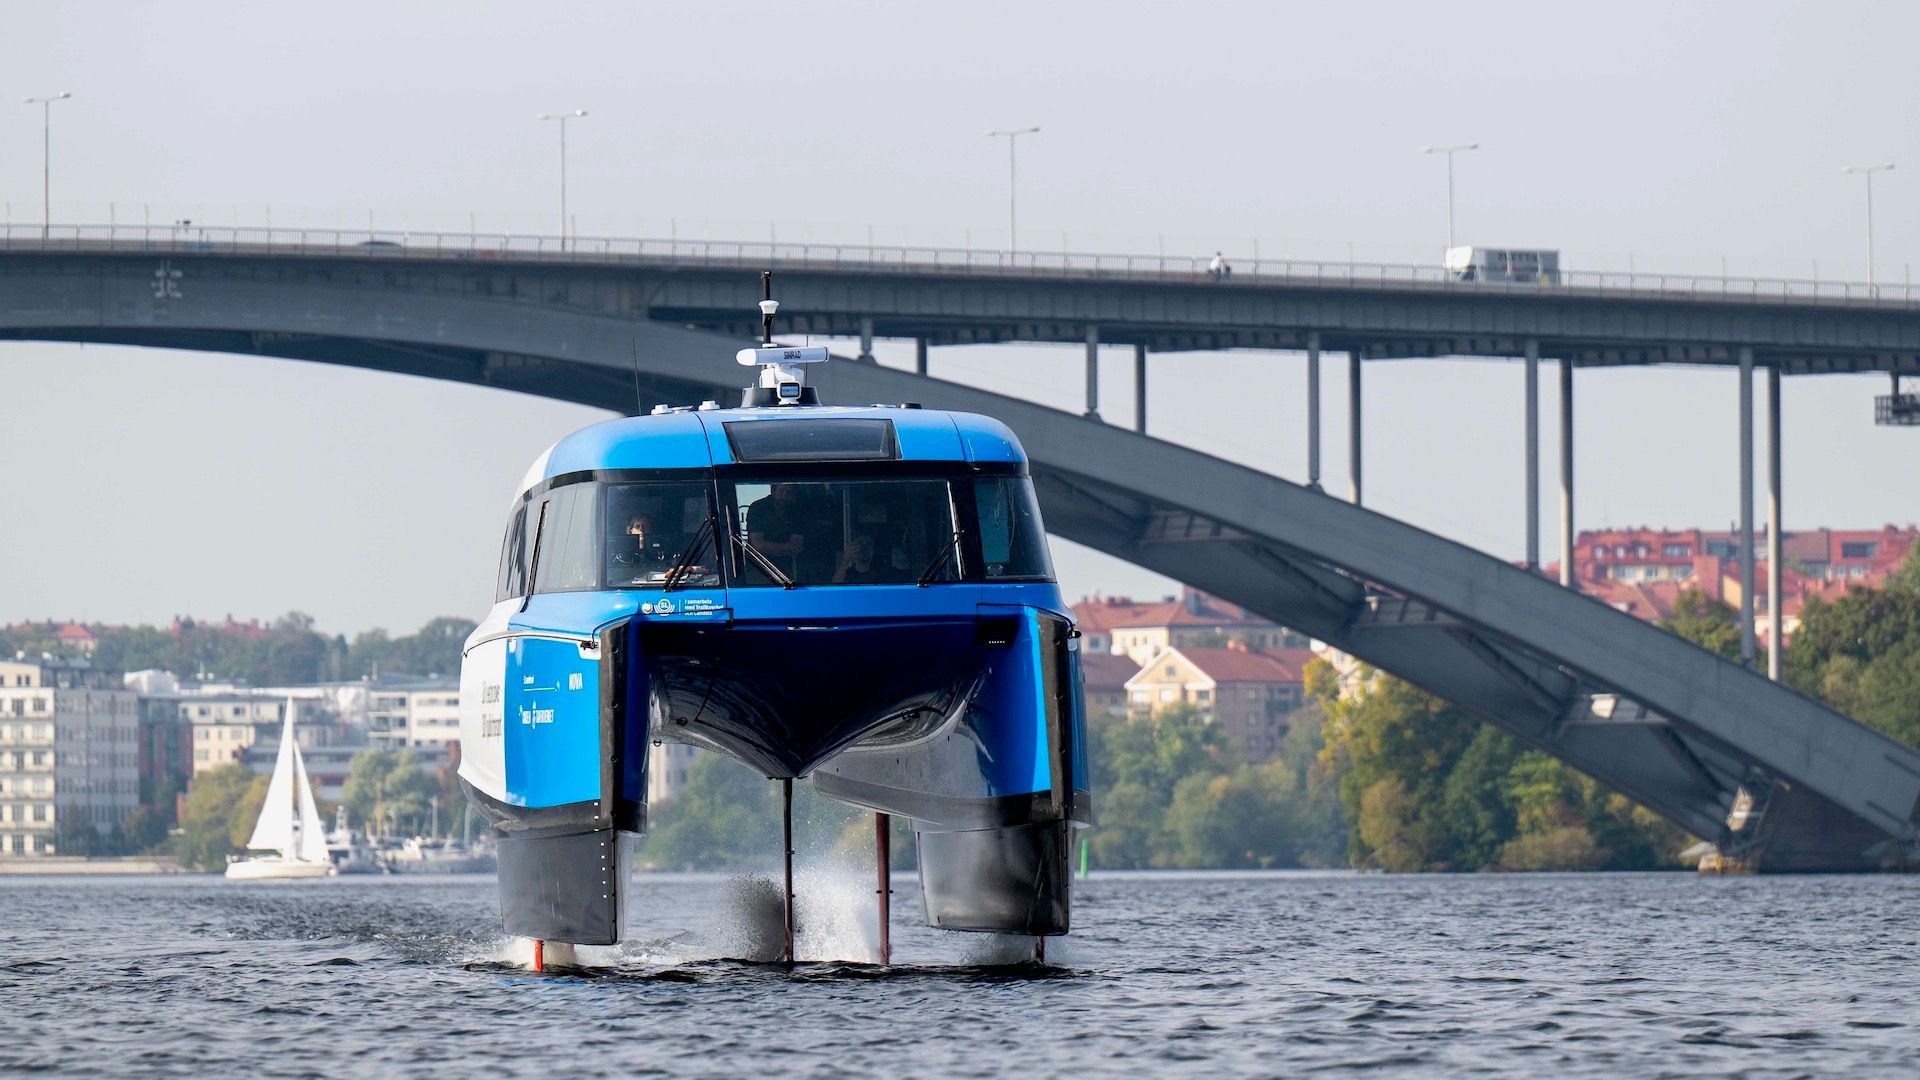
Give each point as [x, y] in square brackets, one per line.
[777, 526]
[640, 552]
[857, 564]
[873, 553]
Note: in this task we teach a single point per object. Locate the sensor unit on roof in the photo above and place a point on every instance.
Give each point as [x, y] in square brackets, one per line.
[782, 367]
[784, 354]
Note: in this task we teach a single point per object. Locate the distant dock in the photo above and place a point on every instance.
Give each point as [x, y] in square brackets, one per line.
[62, 866]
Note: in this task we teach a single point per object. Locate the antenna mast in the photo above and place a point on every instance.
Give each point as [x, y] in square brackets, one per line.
[782, 367]
[768, 305]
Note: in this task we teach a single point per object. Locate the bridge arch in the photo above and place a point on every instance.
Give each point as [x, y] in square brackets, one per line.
[1677, 728]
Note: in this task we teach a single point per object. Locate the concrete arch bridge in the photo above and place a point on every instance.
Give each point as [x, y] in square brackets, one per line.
[1681, 730]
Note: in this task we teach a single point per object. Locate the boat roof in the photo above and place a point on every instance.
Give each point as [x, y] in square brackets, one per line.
[698, 439]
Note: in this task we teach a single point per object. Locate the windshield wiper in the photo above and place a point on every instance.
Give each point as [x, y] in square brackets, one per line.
[765, 564]
[940, 561]
[685, 561]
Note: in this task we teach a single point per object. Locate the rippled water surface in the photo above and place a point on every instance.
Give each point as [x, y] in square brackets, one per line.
[1621, 975]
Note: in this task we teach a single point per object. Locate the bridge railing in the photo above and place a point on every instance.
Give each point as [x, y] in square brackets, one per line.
[187, 238]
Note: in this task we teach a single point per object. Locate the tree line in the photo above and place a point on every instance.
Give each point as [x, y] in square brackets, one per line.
[286, 651]
[1384, 776]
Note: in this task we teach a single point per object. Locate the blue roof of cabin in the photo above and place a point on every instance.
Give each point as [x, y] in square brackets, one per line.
[695, 440]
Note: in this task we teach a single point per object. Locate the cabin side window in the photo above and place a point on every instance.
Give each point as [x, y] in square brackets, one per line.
[568, 547]
[1013, 542]
[512, 580]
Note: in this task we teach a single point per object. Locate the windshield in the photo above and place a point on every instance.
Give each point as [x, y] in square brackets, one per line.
[652, 529]
[843, 532]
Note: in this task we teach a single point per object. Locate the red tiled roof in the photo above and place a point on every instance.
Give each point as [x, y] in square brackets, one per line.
[1098, 615]
[1231, 665]
[1195, 608]
[1649, 600]
[1107, 671]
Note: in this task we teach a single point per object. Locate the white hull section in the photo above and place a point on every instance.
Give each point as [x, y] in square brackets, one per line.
[483, 677]
[273, 866]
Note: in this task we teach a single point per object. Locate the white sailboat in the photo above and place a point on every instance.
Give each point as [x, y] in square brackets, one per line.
[289, 824]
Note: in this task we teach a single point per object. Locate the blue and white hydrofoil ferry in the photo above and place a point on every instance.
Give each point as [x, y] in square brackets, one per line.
[862, 596]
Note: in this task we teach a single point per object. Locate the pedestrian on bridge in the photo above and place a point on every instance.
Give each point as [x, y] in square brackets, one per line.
[1219, 269]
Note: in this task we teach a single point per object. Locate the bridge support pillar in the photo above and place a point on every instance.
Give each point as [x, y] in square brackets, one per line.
[920, 356]
[1353, 426]
[1093, 372]
[1566, 473]
[1140, 387]
[866, 339]
[1533, 455]
[1776, 604]
[1746, 505]
[1313, 411]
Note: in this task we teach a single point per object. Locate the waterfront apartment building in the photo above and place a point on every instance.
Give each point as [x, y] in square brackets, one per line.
[224, 725]
[69, 752]
[1244, 691]
[414, 714]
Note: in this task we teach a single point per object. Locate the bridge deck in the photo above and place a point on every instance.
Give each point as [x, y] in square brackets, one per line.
[959, 297]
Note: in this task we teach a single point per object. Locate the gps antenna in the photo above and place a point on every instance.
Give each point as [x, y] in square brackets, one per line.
[768, 305]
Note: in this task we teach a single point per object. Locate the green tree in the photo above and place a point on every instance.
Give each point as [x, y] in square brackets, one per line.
[246, 812]
[1477, 798]
[432, 650]
[1397, 746]
[389, 793]
[1861, 654]
[1244, 818]
[1426, 786]
[147, 826]
[1317, 821]
[722, 818]
[1549, 818]
[370, 654]
[1137, 764]
[1709, 623]
[1389, 831]
[207, 821]
[74, 835]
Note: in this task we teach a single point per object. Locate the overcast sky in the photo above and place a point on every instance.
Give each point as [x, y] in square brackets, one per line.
[143, 484]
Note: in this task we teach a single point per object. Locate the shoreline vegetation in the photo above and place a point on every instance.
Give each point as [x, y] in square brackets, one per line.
[1373, 774]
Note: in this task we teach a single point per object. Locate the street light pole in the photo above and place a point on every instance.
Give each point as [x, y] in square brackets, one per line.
[1868, 171]
[1012, 135]
[1449, 151]
[563, 117]
[46, 157]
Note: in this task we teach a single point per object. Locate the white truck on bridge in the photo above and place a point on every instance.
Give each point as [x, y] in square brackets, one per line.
[1530, 266]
